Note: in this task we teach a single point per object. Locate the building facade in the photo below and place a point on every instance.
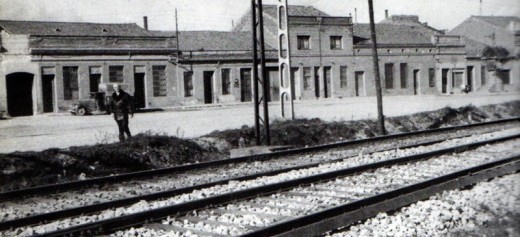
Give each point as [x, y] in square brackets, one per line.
[492, 74]
[45, 66]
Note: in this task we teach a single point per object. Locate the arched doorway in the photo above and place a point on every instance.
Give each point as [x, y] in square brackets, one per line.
[19, 94]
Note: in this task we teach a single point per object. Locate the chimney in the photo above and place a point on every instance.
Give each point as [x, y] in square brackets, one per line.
[386, 13]
[145, 22]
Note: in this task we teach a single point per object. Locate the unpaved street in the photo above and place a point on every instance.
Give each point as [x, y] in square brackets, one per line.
[63, 130]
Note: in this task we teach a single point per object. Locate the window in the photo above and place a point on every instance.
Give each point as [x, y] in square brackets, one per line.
[504, 75]
[70, 83]
[115, 73]
[306, 78]
[389, 75]
[404, 76]
[431, 77]
[159, 80]
[188, 84]
[226, 83]
[336, 42]
[343, 77]
[304, 42]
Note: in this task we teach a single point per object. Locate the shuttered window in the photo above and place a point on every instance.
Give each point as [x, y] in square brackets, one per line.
[343, 76]
[70, 83]
[115, 74]
[403, 70]
[159, 80]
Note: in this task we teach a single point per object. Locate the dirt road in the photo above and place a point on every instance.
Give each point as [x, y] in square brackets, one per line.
[64, 130]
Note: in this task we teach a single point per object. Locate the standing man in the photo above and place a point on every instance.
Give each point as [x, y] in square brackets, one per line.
[122, 105]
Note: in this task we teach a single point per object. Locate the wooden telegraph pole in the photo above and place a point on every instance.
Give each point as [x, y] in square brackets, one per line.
[379, 95]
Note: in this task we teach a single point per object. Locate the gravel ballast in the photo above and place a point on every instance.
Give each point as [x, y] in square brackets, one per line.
[487, 209]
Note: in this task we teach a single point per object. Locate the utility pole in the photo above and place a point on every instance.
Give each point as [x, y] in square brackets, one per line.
[177, 30]
[257, 29]
[379, 95]
[284, 61]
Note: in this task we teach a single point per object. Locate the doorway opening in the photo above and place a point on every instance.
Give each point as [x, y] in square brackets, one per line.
[415, 81]
[48, 93]
[19, 94]
[139, 97]
[208, 87]
[359, 83]
[327, 74]
[245, 85]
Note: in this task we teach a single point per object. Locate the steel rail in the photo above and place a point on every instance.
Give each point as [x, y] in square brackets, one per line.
[54, 188]
[51, 216]
[136, 219]
[345, 215]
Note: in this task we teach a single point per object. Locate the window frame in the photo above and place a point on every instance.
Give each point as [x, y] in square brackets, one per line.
[334, 39]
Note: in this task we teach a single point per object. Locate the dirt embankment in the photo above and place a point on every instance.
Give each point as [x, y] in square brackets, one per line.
[152, 151]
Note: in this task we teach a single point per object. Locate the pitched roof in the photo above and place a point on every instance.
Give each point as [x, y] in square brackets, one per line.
[393, 34]
[214, 40]
[474, 48]
[501, 21]
[72, 28]
[294, 10]
[410, 20]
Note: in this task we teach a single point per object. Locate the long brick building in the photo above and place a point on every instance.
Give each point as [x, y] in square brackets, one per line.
[45, 66]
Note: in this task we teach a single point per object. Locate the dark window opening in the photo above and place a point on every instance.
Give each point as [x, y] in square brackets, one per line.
[304, 42]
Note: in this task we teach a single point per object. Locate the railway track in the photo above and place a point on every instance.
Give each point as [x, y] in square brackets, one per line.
[20, 222]
[451, 172]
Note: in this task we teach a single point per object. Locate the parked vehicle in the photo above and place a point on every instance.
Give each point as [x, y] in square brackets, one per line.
[98, 103]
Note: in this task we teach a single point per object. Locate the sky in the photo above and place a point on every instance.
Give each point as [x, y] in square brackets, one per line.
[220, 15]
